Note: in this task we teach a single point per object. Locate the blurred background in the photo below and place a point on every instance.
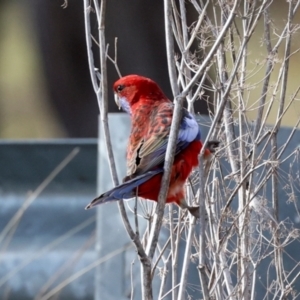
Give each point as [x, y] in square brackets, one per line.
[45, 87]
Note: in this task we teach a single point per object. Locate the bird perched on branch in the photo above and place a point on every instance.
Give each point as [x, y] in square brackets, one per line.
[151, 116]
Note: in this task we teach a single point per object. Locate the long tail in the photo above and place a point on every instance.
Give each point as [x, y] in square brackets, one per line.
[125, 190]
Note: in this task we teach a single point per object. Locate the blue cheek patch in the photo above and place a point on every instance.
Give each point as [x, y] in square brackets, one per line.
[125, 105]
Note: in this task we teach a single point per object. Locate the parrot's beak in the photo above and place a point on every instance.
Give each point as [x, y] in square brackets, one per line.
[117, 101]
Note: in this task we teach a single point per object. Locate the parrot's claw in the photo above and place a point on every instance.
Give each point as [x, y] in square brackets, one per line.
[194, 210]
[212, 146]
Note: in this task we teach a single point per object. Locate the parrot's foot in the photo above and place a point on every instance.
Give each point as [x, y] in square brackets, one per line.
[212, 145]
[194, 210]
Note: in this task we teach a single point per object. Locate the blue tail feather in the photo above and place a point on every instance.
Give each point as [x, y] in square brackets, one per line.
[125, 190]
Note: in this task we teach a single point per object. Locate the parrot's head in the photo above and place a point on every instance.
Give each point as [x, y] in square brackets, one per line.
[131, 89]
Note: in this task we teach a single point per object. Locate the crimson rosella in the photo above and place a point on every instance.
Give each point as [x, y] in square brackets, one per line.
[151, 116]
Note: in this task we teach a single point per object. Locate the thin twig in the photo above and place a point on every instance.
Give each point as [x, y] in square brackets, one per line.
[33, 196]
[169, 158]
[83, 271]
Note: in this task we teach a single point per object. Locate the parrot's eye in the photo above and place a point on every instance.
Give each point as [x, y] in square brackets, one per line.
[120, 88]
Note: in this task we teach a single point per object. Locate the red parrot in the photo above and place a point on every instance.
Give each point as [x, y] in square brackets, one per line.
[151, 116]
